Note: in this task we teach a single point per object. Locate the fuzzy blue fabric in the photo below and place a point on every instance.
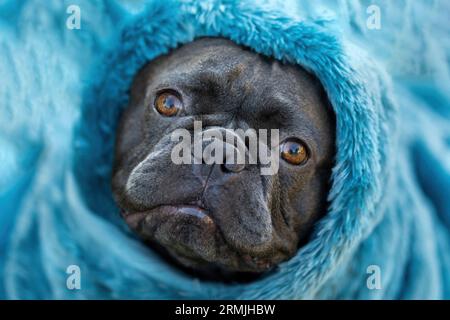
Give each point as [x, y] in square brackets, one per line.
[62, 91]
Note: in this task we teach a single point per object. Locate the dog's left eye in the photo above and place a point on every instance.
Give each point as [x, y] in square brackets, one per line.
[168, 104]
[294, 152]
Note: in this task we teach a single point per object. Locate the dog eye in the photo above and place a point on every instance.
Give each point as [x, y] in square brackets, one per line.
[294, 152]
[168, 104]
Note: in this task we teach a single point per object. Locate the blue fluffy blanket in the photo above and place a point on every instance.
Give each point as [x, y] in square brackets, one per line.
[387, 231]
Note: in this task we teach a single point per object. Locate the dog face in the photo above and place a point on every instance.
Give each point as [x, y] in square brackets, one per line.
[223, 216]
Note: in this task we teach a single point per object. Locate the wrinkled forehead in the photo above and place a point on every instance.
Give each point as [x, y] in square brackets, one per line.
[211, 53]
[216, 65]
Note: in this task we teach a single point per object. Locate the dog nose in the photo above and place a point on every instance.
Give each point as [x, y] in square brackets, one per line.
[221, 146]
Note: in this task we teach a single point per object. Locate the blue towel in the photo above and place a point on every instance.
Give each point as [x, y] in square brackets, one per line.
[385, 69]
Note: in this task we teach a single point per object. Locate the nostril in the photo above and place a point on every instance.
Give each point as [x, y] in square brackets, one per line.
[233, 160]
[235, 167]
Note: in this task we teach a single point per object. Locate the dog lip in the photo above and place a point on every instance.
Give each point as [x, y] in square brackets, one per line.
[193, 210]
[134, 217]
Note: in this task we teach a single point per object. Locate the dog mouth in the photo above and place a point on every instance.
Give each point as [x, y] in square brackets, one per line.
[188, 211]
[191, 236]
[186, 231]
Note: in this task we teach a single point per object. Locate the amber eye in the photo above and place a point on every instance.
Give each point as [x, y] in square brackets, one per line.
[167, 104]
[294, 152]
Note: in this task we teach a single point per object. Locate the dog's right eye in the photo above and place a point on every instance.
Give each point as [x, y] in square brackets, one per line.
[168, 103]
[294, 152]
